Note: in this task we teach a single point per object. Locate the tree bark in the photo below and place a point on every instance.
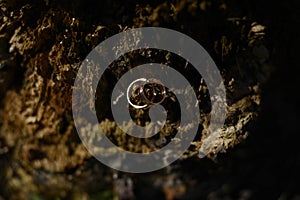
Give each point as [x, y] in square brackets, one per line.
[42, 46]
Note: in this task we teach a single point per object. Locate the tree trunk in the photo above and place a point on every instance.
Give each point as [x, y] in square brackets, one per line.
[42, 45]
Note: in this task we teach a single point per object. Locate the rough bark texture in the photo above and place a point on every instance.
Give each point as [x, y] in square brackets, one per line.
[42, 44]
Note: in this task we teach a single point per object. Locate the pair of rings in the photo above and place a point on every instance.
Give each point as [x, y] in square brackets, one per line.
[142, 93]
